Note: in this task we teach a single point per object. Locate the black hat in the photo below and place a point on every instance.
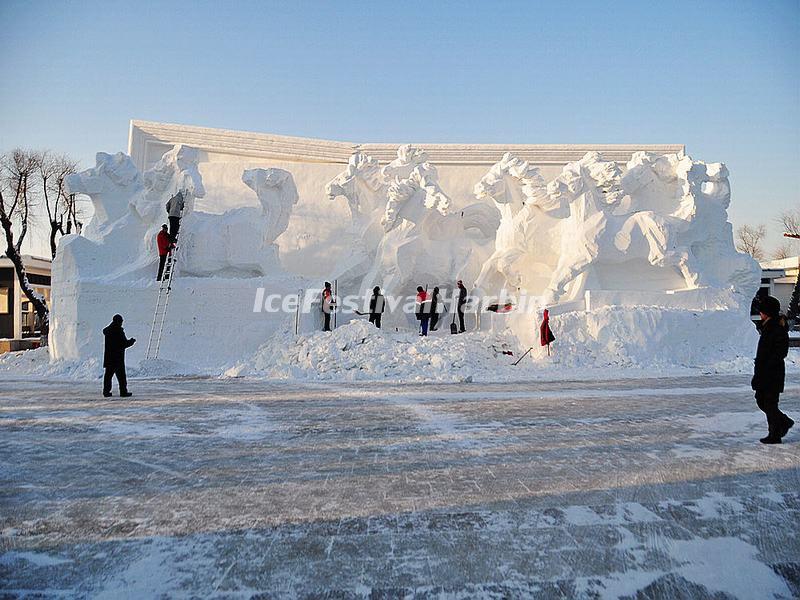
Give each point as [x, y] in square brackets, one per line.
[117, 319]
[770, 306]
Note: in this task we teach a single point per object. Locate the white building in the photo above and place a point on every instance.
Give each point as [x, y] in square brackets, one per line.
[779, 278]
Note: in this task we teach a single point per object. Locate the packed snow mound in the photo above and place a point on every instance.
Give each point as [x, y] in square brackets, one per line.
[359, 351]
[597, 344]
[649, 336]
[37, 363]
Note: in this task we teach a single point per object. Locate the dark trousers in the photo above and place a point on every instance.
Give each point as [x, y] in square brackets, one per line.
[327, 326]
[776, 420]
[376, 319]
[162, 260]
[461, 327]
[423, 323]
[122, 380]
[434, 320]
[174, 226]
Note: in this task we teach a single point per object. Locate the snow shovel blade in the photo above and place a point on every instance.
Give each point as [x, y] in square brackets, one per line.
[453, 328]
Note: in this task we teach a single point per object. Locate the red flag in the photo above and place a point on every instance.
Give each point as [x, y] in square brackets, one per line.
[545, 334]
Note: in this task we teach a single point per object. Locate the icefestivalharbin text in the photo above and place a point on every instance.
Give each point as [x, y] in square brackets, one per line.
[308, 301]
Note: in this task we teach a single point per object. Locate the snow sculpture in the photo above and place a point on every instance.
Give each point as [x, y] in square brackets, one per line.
[113, 184]
[277, 194]
[408, 159]
[132, 210]
[659, 227]
[423, 241]
[222, 260]
[698, 197]
[629, 252]
[404, 228]
[363, 185]
[239, 242]
[527, 239]
[601, 229]
[176, 171]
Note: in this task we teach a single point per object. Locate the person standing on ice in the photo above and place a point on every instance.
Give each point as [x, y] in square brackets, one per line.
[164, 246]
[175, 207]
[462, 300]
[770, 372]
[434, 308]
[423, 310]
[114, 357]
[328, 305]
[376, 307]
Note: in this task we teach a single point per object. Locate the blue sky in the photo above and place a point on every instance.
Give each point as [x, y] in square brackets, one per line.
[720, 77]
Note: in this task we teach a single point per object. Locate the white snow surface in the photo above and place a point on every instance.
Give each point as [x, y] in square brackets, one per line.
[357, 351]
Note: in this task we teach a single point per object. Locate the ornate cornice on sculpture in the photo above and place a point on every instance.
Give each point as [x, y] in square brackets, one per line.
[287, 148]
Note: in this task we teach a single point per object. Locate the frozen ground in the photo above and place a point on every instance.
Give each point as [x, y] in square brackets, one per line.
[201, 487]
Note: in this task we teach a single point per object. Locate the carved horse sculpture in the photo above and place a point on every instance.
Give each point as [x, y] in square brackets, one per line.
[423, 240]
[129, 209]
[527, 239]
[600, 228]
[240, 242]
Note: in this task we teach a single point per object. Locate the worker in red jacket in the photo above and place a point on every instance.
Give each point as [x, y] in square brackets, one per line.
[423, 310]
[164, 246]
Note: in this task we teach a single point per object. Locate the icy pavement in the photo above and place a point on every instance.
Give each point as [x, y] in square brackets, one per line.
[199, 487]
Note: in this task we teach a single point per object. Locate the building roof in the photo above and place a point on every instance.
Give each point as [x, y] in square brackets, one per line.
[791, 262]
[32, 263]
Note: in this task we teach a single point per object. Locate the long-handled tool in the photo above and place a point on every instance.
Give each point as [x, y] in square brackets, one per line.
[521, 357]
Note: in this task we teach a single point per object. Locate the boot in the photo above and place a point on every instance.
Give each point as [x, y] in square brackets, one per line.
[125, 394]
[786, 426]
[770, 440]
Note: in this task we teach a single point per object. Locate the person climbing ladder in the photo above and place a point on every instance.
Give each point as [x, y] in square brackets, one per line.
[175, 207]
[164, 244]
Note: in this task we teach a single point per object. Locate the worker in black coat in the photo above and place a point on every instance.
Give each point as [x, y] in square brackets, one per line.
[434, 308]
[114, 357]
[770, 371]
[462, 300]
[376, 307]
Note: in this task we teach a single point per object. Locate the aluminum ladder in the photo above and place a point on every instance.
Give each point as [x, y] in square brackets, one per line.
[162, 302]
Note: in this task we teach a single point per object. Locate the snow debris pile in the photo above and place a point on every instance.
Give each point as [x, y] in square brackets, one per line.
[594, 344]
[649, 336]
[359, 351]
[37, 363]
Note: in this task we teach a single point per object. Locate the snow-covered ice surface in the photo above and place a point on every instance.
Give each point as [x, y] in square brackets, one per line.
[201, 487]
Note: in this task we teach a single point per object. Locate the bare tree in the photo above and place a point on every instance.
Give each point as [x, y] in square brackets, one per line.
[783, 251]
[790, 220]
[18, 174]
[60, 206]
[749, 240]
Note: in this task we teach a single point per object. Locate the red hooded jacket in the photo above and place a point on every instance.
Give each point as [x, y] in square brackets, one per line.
[163, 241]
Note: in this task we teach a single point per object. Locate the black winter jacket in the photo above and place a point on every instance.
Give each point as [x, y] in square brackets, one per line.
[773, 346]
[116, 343]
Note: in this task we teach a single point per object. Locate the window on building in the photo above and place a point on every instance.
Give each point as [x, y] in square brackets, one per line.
[5, 298]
